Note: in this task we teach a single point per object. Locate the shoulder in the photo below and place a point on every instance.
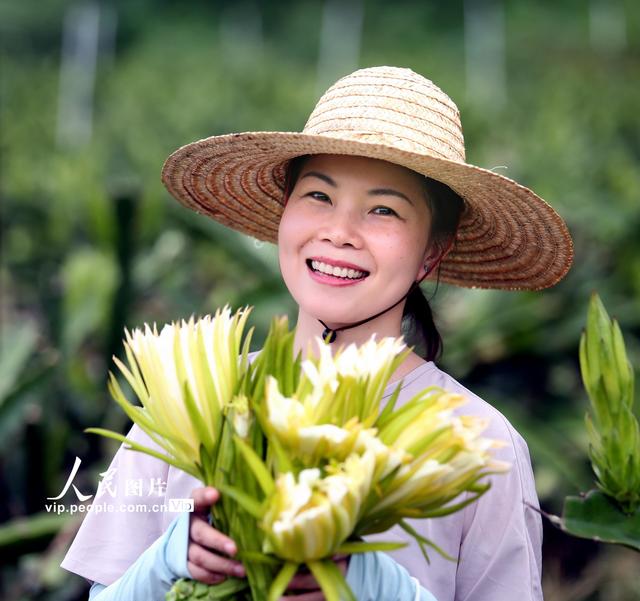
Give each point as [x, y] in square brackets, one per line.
[515, 451]
[500, 534]
[498, 425]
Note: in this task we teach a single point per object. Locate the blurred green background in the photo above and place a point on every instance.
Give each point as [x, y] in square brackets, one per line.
[93, 98]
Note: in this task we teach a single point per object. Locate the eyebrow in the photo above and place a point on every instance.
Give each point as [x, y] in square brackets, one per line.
[322, 176]
[389, 192]
[374, 192]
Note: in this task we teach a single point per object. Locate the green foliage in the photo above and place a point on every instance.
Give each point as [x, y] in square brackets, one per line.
[187, 590]
[613, 429]
[89, 278]
[611, 514]
[596, 516]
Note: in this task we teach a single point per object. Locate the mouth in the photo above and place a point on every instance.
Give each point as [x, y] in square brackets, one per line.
[345, 272]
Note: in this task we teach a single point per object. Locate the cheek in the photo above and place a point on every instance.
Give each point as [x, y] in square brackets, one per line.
[292, 224]
[286, 230]
[291, 236]
[400, 251]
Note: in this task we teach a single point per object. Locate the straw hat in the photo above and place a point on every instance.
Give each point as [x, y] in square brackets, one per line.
[508, 236]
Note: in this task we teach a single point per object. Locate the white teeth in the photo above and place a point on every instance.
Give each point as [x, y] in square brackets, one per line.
[340, 272]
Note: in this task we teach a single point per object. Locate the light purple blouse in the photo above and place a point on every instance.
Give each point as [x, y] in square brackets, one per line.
[497, 540]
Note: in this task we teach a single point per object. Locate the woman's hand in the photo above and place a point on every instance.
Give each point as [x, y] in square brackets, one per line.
[209, 550]
[304, 587]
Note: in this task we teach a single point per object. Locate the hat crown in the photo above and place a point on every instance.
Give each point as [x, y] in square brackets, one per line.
[391, 106]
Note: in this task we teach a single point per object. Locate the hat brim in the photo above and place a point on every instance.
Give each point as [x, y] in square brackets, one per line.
[509, 238]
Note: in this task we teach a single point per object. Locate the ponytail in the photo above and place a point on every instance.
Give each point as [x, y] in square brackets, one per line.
[417, 318]
[420, 327]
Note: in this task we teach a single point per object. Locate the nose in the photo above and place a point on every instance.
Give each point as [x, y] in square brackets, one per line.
[342, 228]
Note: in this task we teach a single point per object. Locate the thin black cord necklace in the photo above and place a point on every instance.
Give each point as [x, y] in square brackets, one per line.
[329, 335]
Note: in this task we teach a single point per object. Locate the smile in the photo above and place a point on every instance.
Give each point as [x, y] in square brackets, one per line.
[335, 274]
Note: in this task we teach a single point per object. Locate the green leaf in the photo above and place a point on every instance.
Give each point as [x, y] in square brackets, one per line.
[331, 580]
[19, 395]
[424, 542]
[211, 403]
[281, 581]
[350, 548]
[283, 461]
[196, 418]
[227, 588]
[597, 517]
[247, 502]
[32, 527]
[259, 469]
[142, 449]
[388, 408]
[257, 557]
[90, 279]
[18, 343]
[190, 590]
[400, 419]
[480, 489]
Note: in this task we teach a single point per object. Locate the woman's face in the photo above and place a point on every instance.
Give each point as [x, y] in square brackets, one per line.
[353, 236]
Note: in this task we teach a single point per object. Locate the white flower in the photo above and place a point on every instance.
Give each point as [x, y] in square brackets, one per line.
[185, 377]
[445, 453]
[310, 516]
[294, 424]
[364, 361]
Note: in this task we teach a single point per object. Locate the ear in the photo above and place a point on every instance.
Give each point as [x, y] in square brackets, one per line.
[433, 256]
[430, 261]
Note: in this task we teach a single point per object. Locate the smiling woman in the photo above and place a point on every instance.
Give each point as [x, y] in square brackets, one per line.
[344, 221]
[399, 221]
[373, 196]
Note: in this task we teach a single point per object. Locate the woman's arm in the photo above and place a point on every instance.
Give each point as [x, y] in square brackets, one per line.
[106, 546]
[186, 550]
[371, 576]
[374, 576]
[155, 571]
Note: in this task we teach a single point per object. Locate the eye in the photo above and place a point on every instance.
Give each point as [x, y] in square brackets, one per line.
[384, 211]
[321, 196]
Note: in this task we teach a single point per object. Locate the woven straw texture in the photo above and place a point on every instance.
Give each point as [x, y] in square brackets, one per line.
[508, 238]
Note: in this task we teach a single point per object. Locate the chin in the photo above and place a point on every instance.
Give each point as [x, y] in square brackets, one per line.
[336, 315]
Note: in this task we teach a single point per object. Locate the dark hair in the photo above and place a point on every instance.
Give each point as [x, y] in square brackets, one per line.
[446, 209]
[417, 318]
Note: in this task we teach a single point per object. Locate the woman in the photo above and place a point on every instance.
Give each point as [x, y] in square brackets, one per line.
[377, 197]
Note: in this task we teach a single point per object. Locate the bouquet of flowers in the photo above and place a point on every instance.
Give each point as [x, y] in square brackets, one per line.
[307, 459]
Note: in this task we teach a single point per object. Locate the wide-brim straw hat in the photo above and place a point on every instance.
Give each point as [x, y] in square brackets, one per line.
[508, 236]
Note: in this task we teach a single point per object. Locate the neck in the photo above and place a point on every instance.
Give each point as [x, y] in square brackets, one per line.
[389, 324]
[309, 327]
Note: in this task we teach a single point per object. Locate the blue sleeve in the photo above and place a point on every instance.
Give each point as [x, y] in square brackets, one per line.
[374, 576]
[155, 571]
[371, 576]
